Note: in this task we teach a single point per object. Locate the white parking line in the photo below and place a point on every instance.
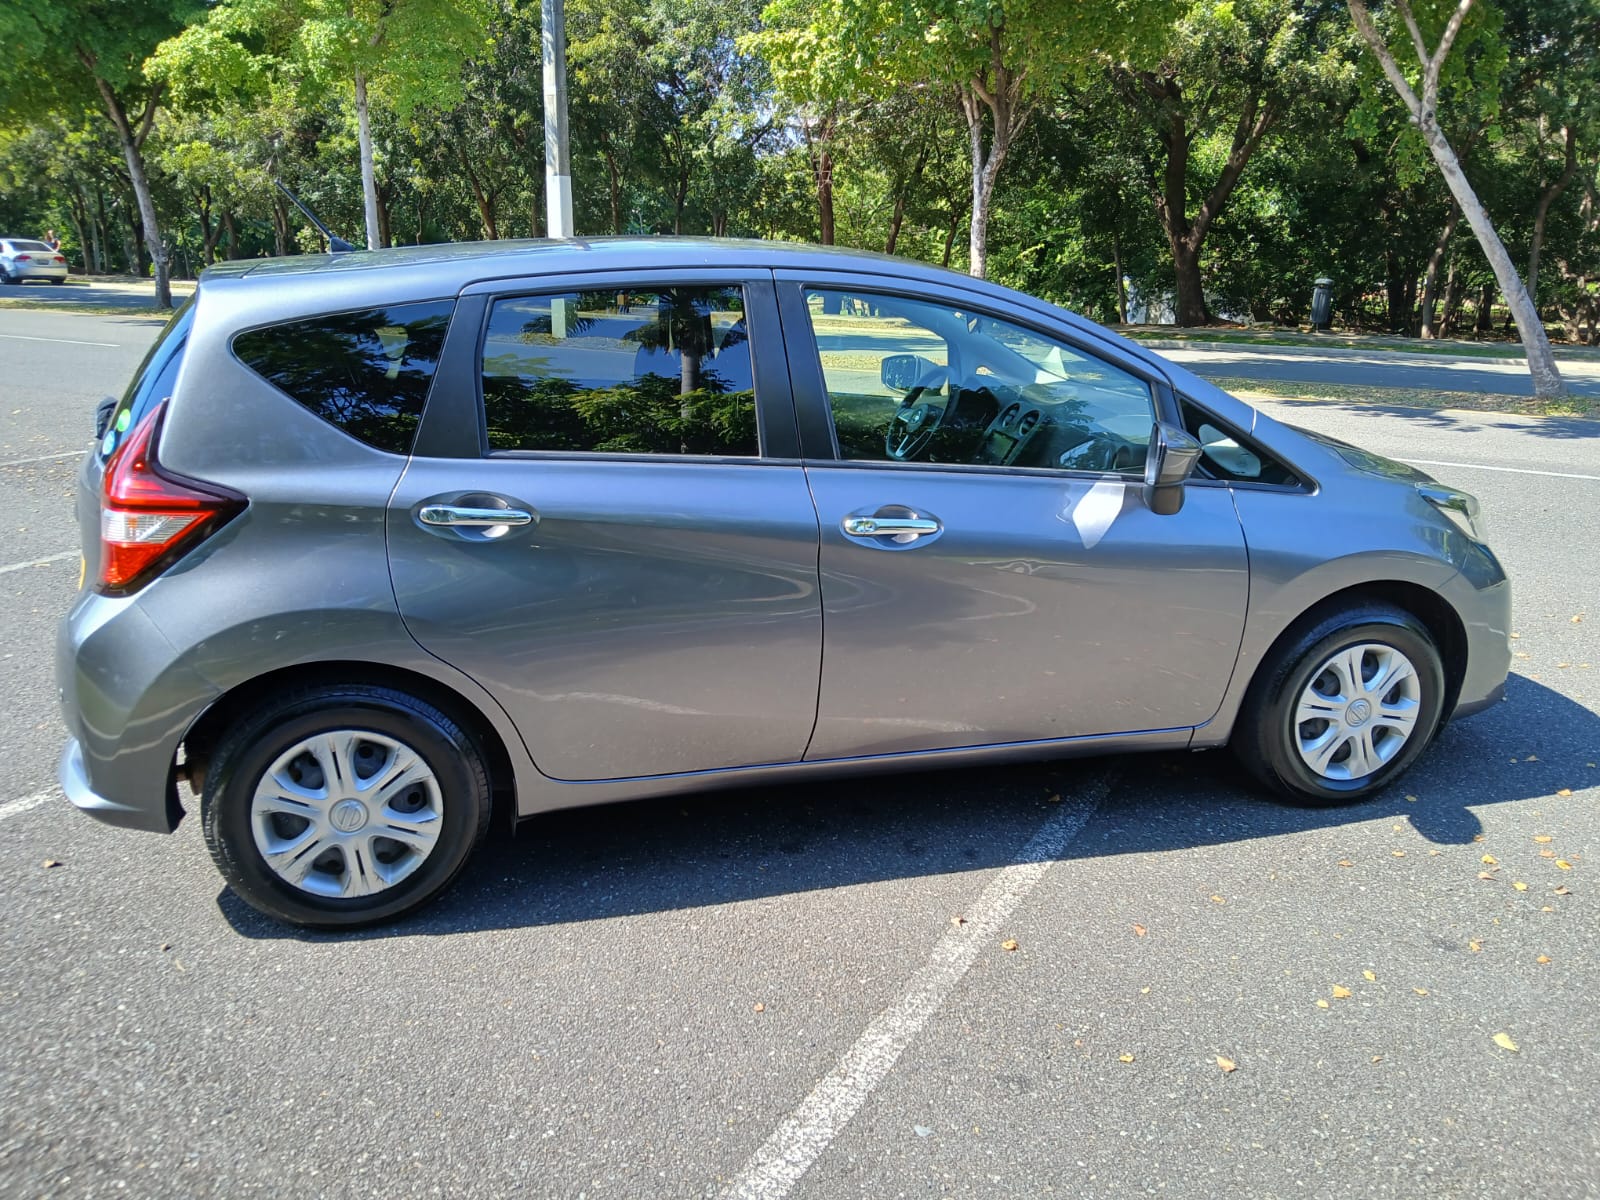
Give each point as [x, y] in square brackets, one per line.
[12, 808]
[38, 562]
[22, 462]
[22, 337]
[1430, 462]
[774, 1169]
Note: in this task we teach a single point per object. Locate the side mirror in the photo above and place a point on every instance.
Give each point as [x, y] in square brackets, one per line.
[1171, 460]
[902, 372]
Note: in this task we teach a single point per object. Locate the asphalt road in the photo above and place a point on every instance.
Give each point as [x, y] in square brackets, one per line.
[1378, 367]
[764, 991]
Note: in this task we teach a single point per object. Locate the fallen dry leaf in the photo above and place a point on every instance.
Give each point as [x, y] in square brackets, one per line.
[1563, 864]
[1542, 838]
[1413, 799]
[1369, 977]
[1056, 799]
[958, 921]
[1542, 960]
[1531, 758]
[1503, 1040]
[1399, 853]
[51, 862]
[1520, 886]
[1009, 944]
[1139, 931]
[1227, 1064]
[1563, 890]
[1489, 860]
[1486, 875]
[1340, 992]
[1345, 862]
[1420, 991]
[1547, 854]
[1124, 1058]
[1322, 1004]
[1564, 792]
[1475, 946]
[1218, 900]
[760, 1007]
[1577, 618]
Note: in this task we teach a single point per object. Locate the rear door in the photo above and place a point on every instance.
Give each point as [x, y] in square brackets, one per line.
[606, 524]
[991, 572]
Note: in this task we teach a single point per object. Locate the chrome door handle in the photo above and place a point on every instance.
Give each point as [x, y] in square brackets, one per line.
[889, 526]
[454, 516]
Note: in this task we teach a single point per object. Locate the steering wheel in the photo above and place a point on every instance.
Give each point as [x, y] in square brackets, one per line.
[915, 422]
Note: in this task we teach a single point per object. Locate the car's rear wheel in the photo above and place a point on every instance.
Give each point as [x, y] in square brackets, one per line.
[1344, 707]
[342, 806]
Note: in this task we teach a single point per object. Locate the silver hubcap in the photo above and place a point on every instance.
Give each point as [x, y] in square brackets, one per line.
[1357, 712]
[346, 813]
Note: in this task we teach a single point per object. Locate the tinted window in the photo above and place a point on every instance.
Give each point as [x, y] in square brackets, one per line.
[916, 381]
[1227, 454]
[31, 246]
[366, 372]
[621, 372]
[153, 381]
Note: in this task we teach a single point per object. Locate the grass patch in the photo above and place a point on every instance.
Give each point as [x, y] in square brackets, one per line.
[1336, 341]
[1339, 393]
[93, 310]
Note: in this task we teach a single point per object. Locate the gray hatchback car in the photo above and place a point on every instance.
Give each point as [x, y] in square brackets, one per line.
[376, 540]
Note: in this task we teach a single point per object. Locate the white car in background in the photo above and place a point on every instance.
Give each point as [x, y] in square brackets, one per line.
[22, 259]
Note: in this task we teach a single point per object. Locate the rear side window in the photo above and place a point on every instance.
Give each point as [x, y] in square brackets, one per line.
[623, 371]
[152, 382]
[366, 372]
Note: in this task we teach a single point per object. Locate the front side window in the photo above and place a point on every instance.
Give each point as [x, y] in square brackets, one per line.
[912, 380]
[366, 372]
[621, 371]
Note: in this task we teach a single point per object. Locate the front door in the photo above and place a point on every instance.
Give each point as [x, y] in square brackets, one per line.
[991, 572]
[625, 567]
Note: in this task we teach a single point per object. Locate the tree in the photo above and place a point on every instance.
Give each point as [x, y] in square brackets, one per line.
[70, 53]
[409, 52]
[1424, 111]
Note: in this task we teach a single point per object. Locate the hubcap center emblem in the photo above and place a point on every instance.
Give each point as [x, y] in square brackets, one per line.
[348, 816]
[1358, 713]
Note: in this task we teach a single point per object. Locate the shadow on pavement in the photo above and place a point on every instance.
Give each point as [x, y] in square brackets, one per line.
[1461, 420]
[719, 848]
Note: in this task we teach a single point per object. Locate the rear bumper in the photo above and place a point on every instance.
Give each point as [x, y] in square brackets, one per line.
[74, 779]
[24, 274]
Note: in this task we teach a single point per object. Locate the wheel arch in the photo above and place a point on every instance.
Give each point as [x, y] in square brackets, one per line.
[207, 729]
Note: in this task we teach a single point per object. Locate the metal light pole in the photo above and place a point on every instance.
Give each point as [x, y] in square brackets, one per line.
[557, 155]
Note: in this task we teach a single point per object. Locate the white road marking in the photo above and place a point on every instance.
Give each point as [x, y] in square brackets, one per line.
[38, 562]
[12, 808]
[22, 462]
[773, 1170]
[1430, 462]
[22, 337]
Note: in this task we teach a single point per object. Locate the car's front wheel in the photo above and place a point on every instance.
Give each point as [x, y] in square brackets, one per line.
[1340, 710]
[342, 806]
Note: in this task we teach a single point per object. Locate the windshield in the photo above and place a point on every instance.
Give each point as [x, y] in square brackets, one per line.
[153, 381]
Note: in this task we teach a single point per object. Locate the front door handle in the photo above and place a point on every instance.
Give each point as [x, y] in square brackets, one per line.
[906, 527]
[456, 516]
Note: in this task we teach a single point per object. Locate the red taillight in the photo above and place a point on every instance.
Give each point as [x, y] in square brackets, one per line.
[148, 515]
[24, 258]
[60, 259]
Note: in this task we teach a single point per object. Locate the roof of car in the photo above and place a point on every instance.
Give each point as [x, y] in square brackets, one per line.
[551, 256]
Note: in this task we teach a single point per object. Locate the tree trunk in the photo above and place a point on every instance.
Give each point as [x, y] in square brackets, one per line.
[822, 169]
[1451, 307]
[1190, 305]
[950, 236]
[1122, 284]
[1542, 213]
[1484, 320]
[1430, 287]
[614, 186]
[895, 221]
[369, 179]
[132, 142]
[1547, 383]
[231, 227]
[985, 170]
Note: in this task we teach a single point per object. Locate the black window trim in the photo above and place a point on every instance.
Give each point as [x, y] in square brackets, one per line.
[1301, 483]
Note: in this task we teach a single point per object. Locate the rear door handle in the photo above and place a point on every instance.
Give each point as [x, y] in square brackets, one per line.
[904, 527]
[455, 516]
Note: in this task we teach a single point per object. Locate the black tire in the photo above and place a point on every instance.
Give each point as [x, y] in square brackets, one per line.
[58, 282]
[1265, 738]
[261, 736]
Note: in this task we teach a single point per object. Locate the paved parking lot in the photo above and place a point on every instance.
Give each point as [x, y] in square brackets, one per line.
[768, 993]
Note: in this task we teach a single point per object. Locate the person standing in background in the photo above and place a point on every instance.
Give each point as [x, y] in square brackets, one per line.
[52, 240]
